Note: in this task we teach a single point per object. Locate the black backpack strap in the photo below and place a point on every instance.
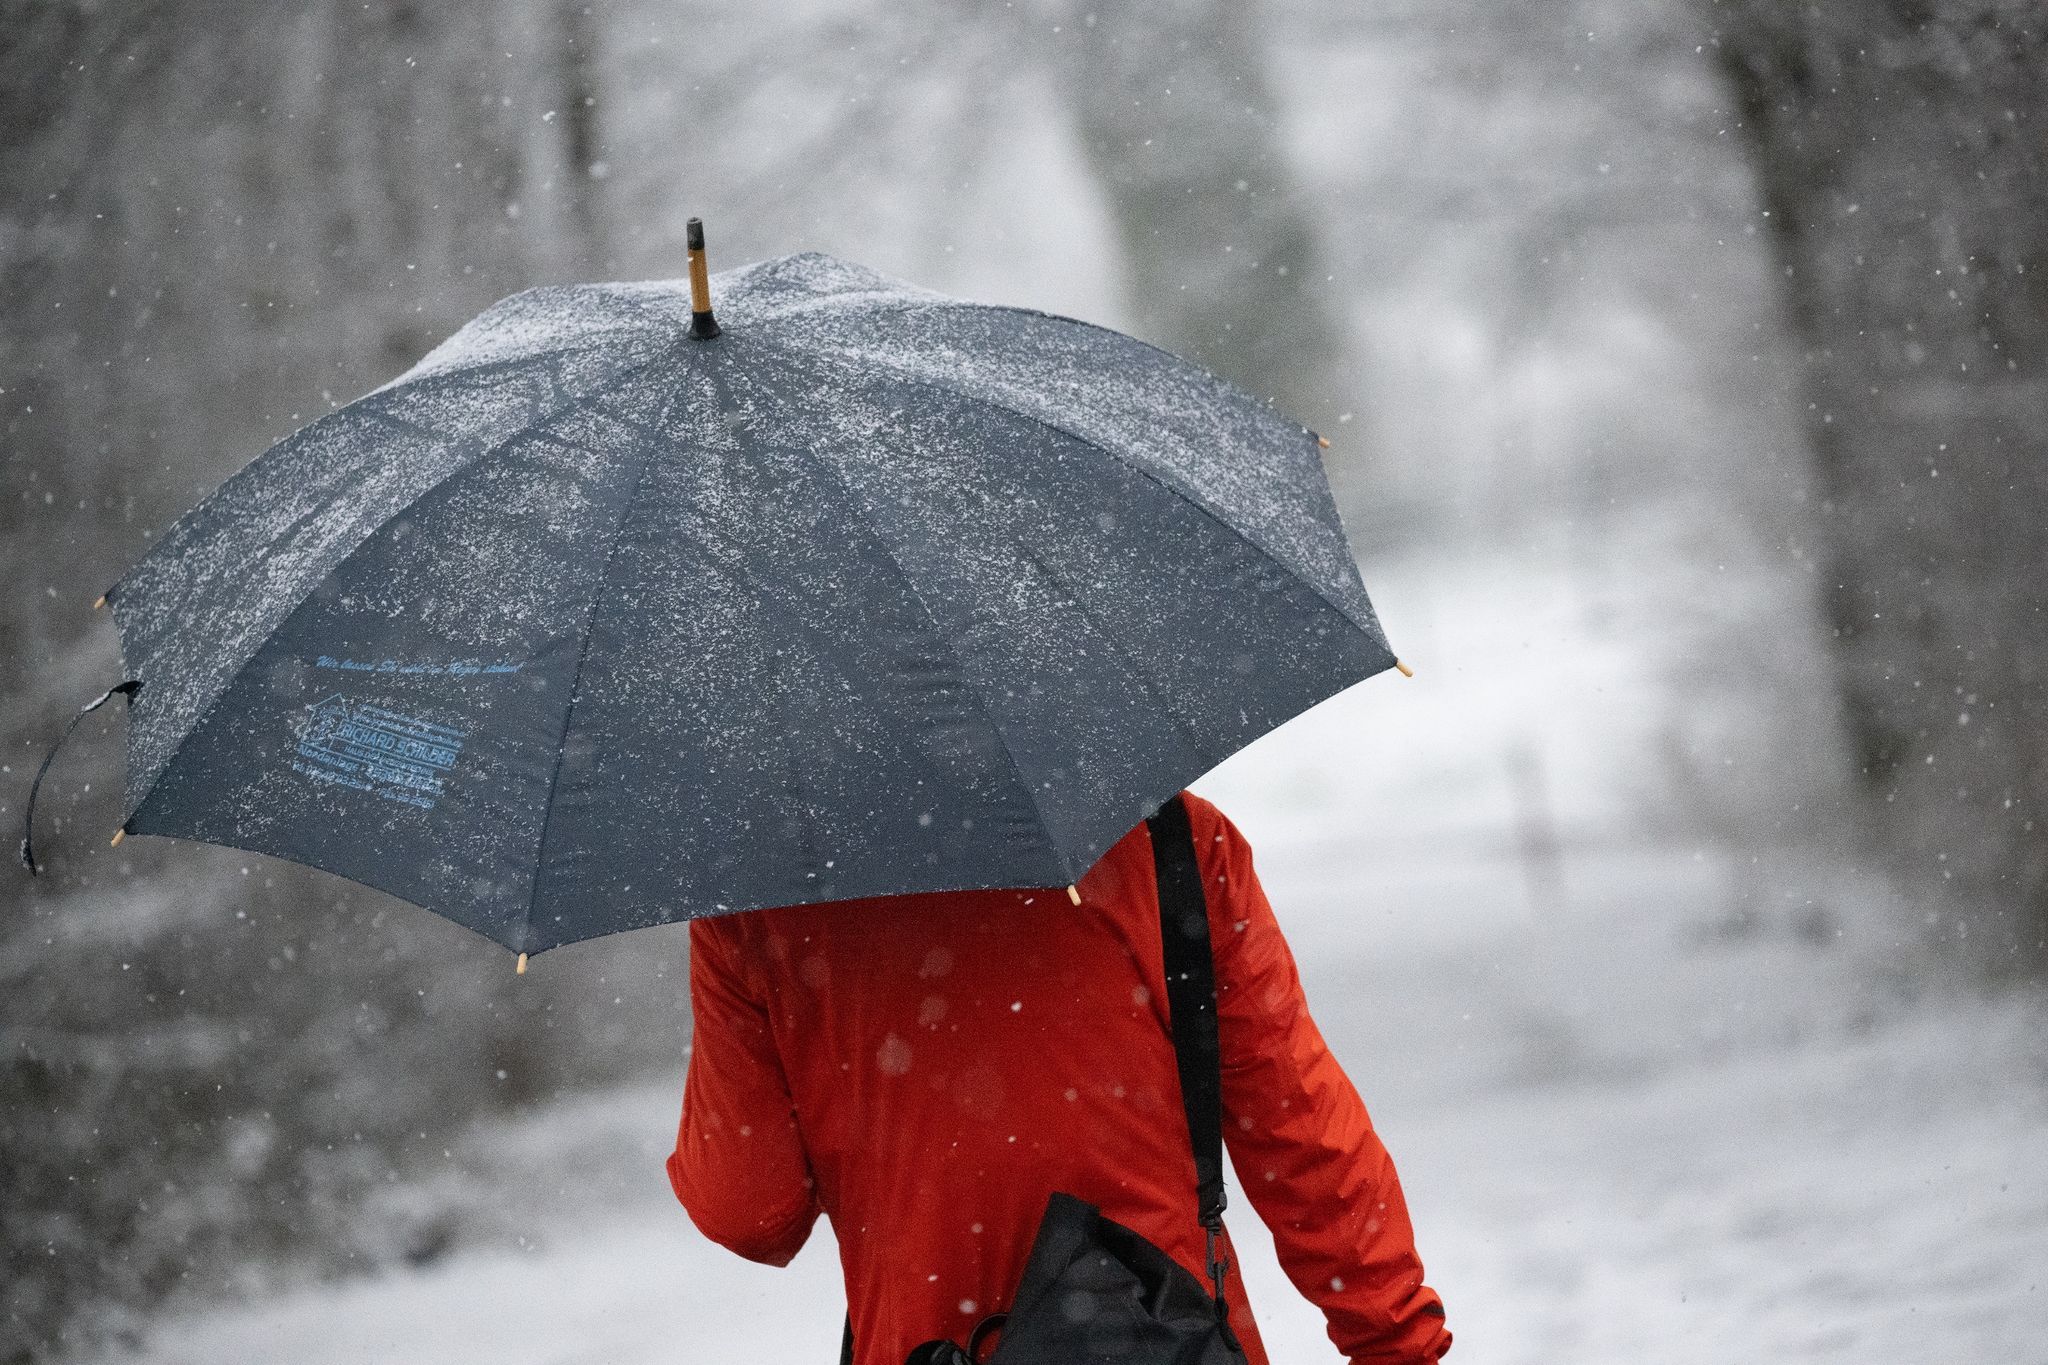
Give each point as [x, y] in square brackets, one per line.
[1191, 997]
[1191, 1001]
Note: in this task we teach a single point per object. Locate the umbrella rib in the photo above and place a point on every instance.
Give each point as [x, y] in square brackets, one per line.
[959, 660]
[199, 719]
[898, 303]
[1109, 640]
[764, 589]
[376, 411]
[908, 298]
[792, 769]
[924, 381]
[1131, 668]
[644, 317]
[597, 598]
[363, 407]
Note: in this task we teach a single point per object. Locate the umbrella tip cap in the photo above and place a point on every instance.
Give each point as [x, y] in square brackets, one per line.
[1404, 669]
[694, 231]
[520, 970]
[1074, 895]
[119, 835]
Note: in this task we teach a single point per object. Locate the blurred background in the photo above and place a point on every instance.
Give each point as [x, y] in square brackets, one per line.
[1685, 364]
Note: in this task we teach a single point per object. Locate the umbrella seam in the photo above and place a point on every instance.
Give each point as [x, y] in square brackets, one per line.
[1178, 492]
[959, 661]
[1144, 679]
[594, 340]
[191, 517]
[899, 303]
[206, 712]
[910, 298]
[547, 810]
[905, 297]
[222, 842]
[792, 766]
[910, 377]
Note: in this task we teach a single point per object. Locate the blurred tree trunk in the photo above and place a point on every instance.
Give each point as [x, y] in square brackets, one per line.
[217, 220]
[1174, 116]
[1901, 148]
[577, 57]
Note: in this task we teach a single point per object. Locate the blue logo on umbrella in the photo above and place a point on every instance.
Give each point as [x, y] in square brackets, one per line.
[400, 758]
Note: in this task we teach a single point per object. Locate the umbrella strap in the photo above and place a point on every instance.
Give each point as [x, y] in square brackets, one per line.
[28, 814]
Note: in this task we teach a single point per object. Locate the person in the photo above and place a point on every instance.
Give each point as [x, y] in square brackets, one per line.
[927, 1070]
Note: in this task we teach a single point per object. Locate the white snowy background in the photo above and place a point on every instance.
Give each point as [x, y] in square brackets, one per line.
[1667, 1065]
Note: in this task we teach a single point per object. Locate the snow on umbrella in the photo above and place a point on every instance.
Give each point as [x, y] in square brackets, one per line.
[605, 616]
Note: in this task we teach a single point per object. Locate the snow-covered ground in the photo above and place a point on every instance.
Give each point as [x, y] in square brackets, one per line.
[1589, 1184]
[1650, 1103]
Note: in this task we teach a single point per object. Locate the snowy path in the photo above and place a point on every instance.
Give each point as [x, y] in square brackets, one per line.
[1868, 1197]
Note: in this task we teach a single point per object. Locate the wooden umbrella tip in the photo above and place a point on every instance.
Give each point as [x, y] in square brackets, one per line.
[1074, 895]
[703, 326]
[520, 970]
[1406, 671]
[1323, 442]
[101, 602]
[119, 835]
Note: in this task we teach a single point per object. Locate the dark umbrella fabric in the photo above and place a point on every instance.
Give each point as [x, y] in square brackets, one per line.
[585, 624]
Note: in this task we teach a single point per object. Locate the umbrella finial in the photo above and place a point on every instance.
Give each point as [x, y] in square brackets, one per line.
[1074, 895]
[520, 970]
[702, 325]
[1406, 671]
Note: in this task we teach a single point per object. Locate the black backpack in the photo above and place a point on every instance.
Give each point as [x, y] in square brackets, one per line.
[1094, 1292]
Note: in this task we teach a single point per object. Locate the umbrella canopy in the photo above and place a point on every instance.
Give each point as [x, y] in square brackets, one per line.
[596, 620]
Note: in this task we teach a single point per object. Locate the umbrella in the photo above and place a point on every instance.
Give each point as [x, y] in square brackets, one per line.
[610, 613]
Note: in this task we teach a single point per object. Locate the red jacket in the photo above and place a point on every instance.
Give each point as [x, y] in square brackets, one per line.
[926, 1070]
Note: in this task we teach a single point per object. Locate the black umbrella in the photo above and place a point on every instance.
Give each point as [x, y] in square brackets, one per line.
[603, 616]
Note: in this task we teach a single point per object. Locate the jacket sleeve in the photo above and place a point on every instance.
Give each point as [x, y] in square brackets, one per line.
[1299, 1137]
[739, 1166]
